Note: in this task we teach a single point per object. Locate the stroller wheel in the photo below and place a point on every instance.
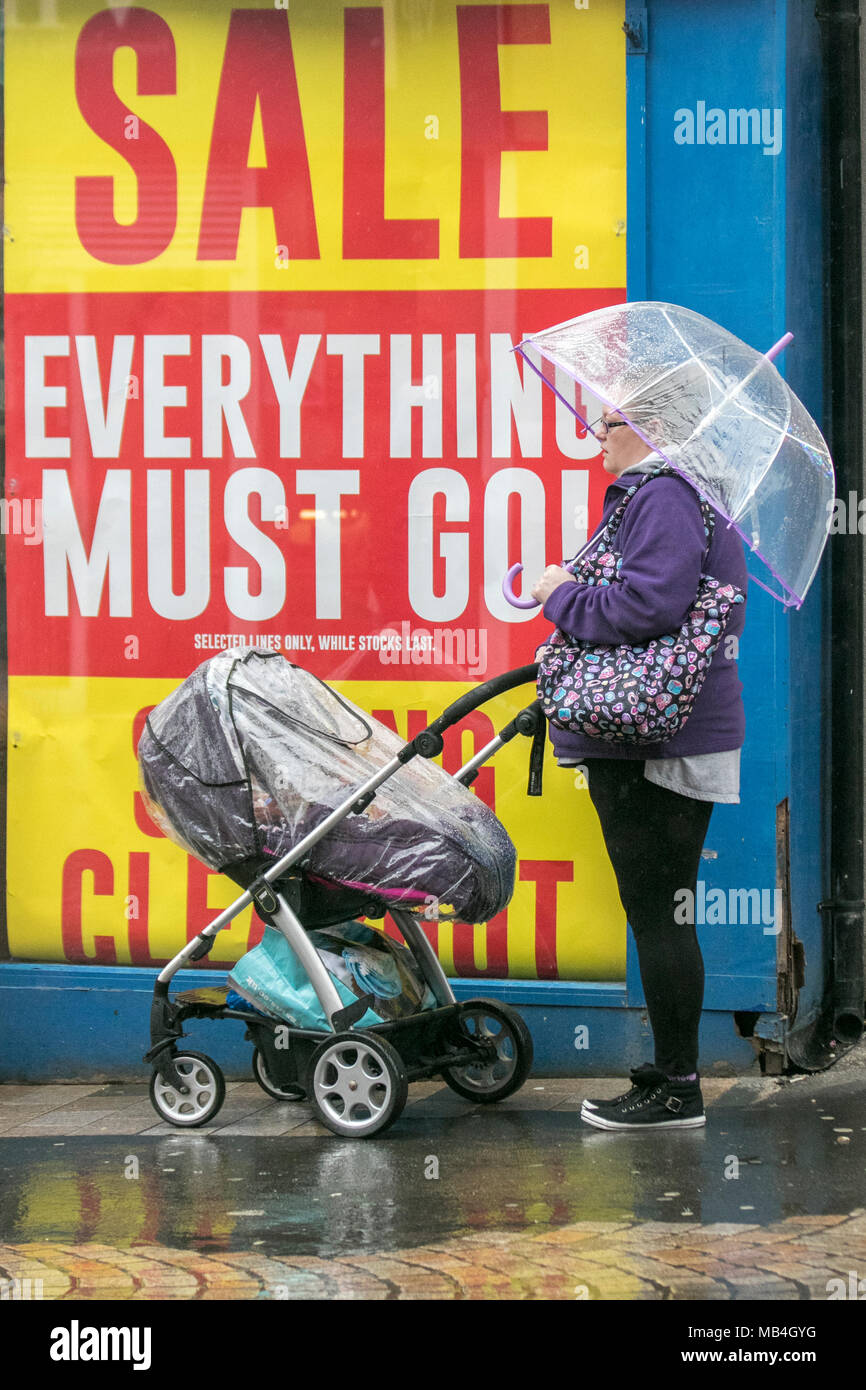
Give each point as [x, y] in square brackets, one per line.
[205, 1091]
[357, 1084]
[277, 1092]
[509, 1052]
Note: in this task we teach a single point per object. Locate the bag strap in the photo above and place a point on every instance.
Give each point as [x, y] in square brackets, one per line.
[615, 519]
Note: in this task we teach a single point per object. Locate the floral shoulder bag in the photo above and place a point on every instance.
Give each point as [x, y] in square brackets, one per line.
[629, 693]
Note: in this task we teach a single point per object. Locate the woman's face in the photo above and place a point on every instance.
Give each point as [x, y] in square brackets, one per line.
[620, 445]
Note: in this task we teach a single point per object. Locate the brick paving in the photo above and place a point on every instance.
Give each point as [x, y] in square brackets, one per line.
[791, 1259]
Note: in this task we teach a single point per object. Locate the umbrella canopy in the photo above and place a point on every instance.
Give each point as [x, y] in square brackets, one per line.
[718, 412]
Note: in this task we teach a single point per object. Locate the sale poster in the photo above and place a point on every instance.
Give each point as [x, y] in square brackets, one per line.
[264, 272]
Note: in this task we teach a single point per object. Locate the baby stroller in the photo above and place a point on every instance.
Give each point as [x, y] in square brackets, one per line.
[323, 816]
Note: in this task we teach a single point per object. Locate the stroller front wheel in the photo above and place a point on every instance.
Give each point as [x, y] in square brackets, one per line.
[508, 1044]
[203, 1094]
[357, 1084]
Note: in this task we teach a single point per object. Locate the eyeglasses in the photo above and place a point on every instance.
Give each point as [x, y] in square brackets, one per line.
[608, 424]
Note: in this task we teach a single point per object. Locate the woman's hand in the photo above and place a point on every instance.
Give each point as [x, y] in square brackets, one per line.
[553, 576]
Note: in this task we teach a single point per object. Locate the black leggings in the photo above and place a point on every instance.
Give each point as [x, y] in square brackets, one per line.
[654, 838]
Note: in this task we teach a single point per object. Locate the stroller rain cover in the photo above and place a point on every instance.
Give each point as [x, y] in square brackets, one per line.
[251, 753]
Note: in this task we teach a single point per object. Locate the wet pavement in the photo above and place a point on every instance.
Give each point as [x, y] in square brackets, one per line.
[98, 1200]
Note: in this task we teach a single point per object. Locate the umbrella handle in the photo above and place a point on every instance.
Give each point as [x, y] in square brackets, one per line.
[509, 593]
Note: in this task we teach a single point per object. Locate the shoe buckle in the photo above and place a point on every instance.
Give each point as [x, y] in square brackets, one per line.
[674, 1103]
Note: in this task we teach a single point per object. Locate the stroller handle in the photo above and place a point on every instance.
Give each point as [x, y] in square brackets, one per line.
[488, 690]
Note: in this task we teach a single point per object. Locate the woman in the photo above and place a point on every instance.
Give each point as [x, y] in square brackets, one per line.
[654, 802]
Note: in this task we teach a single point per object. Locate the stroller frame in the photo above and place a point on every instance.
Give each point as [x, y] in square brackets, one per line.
[356, 1079]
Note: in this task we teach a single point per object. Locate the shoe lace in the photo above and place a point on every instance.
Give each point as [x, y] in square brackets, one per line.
[648, 1095]
[643, 1079]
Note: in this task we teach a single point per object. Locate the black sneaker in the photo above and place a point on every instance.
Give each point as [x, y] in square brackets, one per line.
[642, 1078]
[668, 1105]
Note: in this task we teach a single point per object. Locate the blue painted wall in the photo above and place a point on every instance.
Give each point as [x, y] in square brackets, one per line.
[735, 234]
[90, 1023]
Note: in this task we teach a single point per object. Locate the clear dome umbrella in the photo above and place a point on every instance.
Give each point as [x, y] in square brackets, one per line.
[718, 412]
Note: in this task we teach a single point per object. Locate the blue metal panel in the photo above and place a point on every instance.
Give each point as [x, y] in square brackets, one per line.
[715, 219]
[593, 994]
[90, 1023]
[716, 212]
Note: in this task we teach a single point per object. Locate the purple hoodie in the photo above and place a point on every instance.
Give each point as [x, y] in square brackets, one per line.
[661, 540]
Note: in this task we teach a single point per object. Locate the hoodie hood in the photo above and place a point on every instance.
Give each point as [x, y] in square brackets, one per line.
[635, 470]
